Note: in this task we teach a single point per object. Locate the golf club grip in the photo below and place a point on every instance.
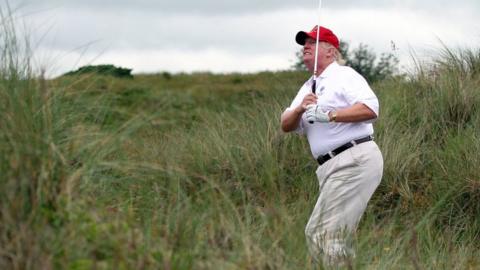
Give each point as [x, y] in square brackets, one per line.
[314, 88]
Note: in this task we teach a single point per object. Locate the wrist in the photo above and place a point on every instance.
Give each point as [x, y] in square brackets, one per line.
[299, 109]
[332, 115]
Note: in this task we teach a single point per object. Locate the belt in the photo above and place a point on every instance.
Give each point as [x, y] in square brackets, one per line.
[322, 159]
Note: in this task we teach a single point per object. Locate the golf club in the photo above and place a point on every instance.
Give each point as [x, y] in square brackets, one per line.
[314, 84]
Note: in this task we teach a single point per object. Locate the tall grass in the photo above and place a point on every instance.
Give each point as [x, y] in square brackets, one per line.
[192, 172]
[31, 168]
[48, 153]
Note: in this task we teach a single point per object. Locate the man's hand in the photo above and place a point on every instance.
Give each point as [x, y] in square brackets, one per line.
[315, 114]
[309, 99]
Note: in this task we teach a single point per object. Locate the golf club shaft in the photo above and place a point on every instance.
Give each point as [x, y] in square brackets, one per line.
[314, 85]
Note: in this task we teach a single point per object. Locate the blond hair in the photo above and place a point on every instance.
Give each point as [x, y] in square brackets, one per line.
[337, 55]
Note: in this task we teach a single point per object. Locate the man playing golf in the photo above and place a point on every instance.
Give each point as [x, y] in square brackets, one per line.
[335, 110]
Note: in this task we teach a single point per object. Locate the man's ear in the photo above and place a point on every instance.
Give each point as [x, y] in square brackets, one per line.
[332, 51]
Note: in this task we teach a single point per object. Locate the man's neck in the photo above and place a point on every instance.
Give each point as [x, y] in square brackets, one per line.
[320, 69]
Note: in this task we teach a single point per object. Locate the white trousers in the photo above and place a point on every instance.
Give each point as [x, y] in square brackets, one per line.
[347, 183]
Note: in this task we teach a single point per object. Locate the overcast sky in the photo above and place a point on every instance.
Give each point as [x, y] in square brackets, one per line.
[232, 35]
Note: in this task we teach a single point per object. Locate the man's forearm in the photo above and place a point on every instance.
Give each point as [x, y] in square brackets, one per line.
[290, 120]
[357, 113]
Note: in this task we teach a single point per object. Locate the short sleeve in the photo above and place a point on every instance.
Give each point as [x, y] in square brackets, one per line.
[357, 90]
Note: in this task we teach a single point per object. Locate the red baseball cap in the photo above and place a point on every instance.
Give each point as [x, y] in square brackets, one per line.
[326, 35]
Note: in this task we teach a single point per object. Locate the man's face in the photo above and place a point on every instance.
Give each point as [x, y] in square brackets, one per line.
[324, 54]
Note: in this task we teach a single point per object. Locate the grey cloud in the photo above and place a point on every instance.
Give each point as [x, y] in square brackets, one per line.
[238, 6]
[136, 30]
[134, 26]
[232, 27]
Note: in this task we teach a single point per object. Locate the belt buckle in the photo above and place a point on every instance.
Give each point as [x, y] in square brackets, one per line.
[323, 158]
[320, 160]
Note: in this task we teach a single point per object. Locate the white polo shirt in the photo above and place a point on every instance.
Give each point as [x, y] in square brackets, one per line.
[338, 87]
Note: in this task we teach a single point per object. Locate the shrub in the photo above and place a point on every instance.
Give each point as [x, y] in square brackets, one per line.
[109, 70]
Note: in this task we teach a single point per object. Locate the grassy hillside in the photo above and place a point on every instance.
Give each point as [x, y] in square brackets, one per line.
[192, 171]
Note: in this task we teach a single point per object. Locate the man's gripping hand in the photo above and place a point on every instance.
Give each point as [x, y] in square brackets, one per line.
[315, 114]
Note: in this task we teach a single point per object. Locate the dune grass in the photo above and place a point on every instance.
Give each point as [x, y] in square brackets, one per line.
[191, 171]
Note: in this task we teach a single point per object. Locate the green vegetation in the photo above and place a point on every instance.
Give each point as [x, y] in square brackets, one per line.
[363, 59]
[178, 171]
[110, 70]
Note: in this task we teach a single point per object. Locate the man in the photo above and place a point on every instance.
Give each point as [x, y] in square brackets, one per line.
[337, 121]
